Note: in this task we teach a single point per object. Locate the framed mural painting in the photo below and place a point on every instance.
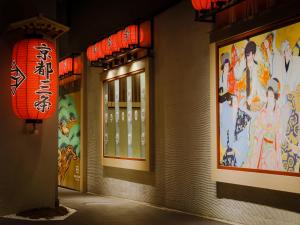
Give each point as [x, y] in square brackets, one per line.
[69, 140]
[258, 101]
[70, 128]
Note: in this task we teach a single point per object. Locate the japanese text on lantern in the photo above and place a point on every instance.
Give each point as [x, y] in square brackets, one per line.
[43, 69]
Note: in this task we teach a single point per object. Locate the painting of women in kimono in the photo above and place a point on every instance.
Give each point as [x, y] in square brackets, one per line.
[259, 102]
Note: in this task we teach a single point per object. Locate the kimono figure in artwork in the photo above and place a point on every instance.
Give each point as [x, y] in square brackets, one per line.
[226, 79]
[227, 103]
[251, 95]
[265, 152]
[271, 57]
[251, 83]
[290, 108]
[289, 71]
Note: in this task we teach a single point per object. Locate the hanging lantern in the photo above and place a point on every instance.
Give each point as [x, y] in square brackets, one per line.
[92, 53]
[106, 46]
[114, 43]
[130, 36]
[89, 53]
[201, 5]
[99, 52]
[72, 69]
[34, 79]
[68, 64]
[120, 43]
[77, 65]
[145, 34]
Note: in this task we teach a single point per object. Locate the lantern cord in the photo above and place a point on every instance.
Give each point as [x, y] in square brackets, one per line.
[34, 129]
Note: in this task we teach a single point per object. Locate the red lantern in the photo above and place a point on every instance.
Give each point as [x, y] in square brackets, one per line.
[200, 5]
[99, 52]
[145, 34]
[77, 65]
[121, 43]
[106, 46]
[68, 65]
[114, 43]
[72, 67]
[130, 36]
[92, 53]
[34, 79]
[88, 53]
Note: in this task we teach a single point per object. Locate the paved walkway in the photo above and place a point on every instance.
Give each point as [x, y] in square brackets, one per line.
[98, 210]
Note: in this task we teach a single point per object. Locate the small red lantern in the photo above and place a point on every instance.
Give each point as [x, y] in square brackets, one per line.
[114, 43]
[130, 36]
[77, 65]
[106, 46]
[34, 79]
[122, 44]
[72, 68]
[92, 53]
[89, 53]
[145, 34]
[99, 52]
[201, 5]
[68, 64]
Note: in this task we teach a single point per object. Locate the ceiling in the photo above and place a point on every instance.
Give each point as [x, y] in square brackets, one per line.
[90, 20]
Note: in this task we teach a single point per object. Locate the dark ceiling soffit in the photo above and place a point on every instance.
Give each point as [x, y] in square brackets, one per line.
[137, 21]
[270, 16]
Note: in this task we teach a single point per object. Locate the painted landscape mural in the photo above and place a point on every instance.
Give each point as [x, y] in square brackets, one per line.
[69, 141]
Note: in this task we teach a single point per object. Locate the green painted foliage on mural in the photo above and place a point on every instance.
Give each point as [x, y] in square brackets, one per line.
[69, 124]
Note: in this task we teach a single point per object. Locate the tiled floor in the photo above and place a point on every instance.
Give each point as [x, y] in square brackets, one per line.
[92, 210]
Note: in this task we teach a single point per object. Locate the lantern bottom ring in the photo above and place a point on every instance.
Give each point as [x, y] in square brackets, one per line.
[33, 121]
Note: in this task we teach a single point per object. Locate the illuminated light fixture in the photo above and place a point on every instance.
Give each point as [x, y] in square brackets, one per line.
[120, 43]
[131, 57]
[70, 69]
[206, 10]
[201, 5]
[34, 79]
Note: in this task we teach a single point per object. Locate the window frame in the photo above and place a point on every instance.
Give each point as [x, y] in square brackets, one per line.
[131, 69]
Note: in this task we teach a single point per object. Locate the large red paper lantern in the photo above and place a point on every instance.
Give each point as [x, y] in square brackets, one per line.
[200, 5]
[34, 79]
